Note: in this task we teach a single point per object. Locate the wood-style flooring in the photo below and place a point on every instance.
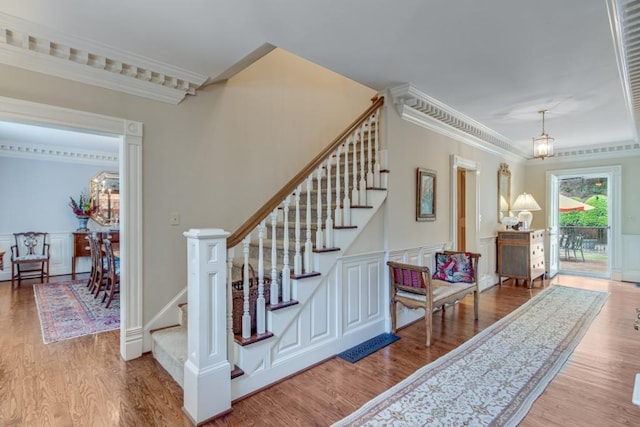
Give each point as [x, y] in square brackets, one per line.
[84, 382]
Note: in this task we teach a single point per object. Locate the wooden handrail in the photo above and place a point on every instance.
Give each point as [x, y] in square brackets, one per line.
[289, 188]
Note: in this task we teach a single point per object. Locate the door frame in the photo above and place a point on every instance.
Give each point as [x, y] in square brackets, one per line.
[130, 166]
[614, 176]
[472, 206]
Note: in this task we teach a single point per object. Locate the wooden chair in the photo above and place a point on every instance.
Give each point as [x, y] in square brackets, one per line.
[413, 287]
[29, 257]
[113, 273]
[98, 270]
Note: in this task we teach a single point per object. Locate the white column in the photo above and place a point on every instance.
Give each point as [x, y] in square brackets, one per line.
[261, 315]
[207, 380]
[246, 316]
[286, 271]
[362, 186]
[338, 211]
[369, 144]
[230, 353]
[297, 256]
[274, 260]
[346, 202]
[319, 236]
[376, 166]
[355, 195]
[329, 222]
[308, 245]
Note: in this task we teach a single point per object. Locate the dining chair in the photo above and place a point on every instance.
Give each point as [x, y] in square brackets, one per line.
[113, 273]
[30, 256]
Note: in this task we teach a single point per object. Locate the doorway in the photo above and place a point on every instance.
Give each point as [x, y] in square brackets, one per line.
[464, 200]
[130, 166]
[582, 215]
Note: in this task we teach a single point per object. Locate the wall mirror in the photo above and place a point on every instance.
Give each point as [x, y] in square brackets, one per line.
[504, 191]
[105, 192]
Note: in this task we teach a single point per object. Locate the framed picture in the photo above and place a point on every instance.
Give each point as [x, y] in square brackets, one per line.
[426, 195]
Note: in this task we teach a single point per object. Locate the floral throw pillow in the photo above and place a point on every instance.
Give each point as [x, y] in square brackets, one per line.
[454, 268]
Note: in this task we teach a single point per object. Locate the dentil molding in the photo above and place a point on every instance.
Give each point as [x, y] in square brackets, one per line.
[34, 47]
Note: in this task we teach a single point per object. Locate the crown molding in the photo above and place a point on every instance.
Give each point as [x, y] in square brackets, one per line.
[37, 48]
[419, 108]
[57, 154]
[612, 151]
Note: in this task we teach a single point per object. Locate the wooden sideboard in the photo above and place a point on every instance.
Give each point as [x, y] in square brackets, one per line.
[521, 255]
[81, 246]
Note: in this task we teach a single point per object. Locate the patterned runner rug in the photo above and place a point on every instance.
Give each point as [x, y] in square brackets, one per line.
[494, 378]
[68, 310]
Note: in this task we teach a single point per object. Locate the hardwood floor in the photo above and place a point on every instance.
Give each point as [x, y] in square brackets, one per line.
[84, 382]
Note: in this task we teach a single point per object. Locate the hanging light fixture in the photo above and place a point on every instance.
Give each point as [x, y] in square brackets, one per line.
[542, 145]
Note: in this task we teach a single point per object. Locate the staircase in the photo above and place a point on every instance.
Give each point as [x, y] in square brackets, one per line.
[299, 235]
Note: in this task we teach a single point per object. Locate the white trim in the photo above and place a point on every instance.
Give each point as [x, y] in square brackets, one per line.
[616, 14]
[56, 154]
[614, 175]
[130, 154]
[458, 162]
[35, 47]
[419, 108]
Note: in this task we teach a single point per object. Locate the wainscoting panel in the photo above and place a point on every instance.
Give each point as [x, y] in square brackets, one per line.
[630, 251]
[363, 291]
[487, 262]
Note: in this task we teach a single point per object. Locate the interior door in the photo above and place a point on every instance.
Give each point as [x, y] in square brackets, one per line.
[553, 254]
[462, 211]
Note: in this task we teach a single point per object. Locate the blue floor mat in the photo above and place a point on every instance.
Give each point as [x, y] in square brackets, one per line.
[366, 348]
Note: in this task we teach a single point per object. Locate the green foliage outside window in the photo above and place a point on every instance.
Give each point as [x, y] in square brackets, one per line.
[592, 218]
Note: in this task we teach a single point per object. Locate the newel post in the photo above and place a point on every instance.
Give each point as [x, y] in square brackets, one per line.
[207, 372]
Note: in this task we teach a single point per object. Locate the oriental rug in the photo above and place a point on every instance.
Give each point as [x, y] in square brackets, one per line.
[68, 310]
[494, 378]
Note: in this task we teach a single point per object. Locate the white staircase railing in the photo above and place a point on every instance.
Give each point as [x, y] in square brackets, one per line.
[360, 140]
[359, 144]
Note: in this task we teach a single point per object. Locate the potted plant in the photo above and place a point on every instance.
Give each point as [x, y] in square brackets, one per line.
[83, 208]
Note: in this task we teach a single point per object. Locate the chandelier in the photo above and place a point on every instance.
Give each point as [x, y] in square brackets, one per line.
[542, 145]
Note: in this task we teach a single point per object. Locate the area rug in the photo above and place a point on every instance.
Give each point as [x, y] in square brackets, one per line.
[368, 347]
[67, 310]
[494, 378]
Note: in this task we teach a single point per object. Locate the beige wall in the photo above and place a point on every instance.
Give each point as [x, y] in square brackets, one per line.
[217, 156]
[410, 147]
[535, 175]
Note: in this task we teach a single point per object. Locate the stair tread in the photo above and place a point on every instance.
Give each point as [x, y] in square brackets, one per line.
[173, 341]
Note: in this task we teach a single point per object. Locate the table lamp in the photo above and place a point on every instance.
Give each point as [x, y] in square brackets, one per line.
[525, 203]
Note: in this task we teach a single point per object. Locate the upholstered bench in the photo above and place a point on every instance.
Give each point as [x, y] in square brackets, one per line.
[413, 286]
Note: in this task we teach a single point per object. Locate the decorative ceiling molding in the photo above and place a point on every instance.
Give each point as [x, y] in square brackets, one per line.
[57, 154]
[594, 153]
[28, 45]
[419, 108]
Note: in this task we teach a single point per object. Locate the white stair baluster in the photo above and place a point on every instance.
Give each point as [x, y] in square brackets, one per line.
[369, 144]
[329, 221]
[246, 316]
[376, 166]
[297, 257]
[362, 186]
[286, 271]
[261, 315]
[230, 347]
[338, 211]
[273, 298]
[319, 237]
[308, 245]
[346, 202]
[355, 195]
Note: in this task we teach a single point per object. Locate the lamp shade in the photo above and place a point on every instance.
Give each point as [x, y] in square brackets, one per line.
[525, 202]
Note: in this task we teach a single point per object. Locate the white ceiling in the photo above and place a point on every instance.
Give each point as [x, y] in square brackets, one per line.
[497, 61]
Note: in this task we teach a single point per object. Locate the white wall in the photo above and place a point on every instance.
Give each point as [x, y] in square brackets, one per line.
[35, 194]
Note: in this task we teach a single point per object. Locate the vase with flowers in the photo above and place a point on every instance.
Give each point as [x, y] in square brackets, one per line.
[83, 208]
